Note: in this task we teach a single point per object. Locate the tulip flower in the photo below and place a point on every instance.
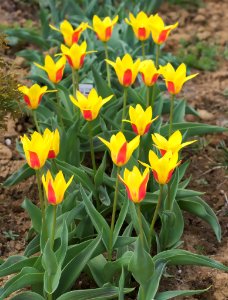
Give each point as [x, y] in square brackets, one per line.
[120, 149]
[140, 25]
[104, 28]
[91, 105]
[36, 149]
[162, 167]
[149, 72]
[173, 144]
[54, 70]
[55, 188]
[159, 31]
[126, 69]
[34, 94]
[135, 183]
[55, 141]
[140, 120]
[70, 35]
[175, 79]
[76, 54]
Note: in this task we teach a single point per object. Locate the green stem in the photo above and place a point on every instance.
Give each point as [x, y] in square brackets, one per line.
[92, 148]
[171, 114]
[59, 105]
[107, 65]
[124, 108]
[147, 96]
[157, 56]
[49, 296]
[54, 165]
[168, 206]
[140, 223]
[40, 195]
[143, 50]
[156, 211]
[113, 215]
[75, 80]
[53, 226]
[153, 96]
[35, 120]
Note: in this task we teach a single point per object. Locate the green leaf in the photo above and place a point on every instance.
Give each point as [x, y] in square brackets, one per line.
[28, 296]
[34, 213]
[33, 246]
[96, 266]
[98, 179]
[179, 112]
[121, 285]
[15, 263]
[102, 86]
[21, 174]
[106, 292]
[120, 221]
[201, 209]
[97, 219]
[153, 285]
[62, 250]
[172, 294]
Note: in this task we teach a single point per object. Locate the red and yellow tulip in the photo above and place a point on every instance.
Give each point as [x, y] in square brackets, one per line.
[55, 141]
[162, 167]
[126, 69]
[149, 72]
[76, 54]
[135, 183]
[70, 35]
[120, 149]
[36, 149]
[54, 69]
[175, 78]
[140, 25]
[173, 144]
[103, 28]
[34, 94]
[159, 30]
[91, 105]
[140, 119]
[55, 188]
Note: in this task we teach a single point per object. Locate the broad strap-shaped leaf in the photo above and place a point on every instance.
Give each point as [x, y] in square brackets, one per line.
[120, 220]
[62, 250]
[33, 247]
[34, 213]
[15, 264]
[21, 174]
[96, 266]
[28, 296]
[102, 86]
[179, 111]
[172, 294]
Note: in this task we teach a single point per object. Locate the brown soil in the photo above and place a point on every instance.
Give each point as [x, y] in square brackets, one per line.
[209, 174]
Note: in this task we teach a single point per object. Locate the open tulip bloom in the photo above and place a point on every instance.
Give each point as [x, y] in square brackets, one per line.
[53, 69]
[173, 144]
[140, 25]
[135, 183]
[104, 28]
[121, 150]
[55, 188]
[55, 141]
[91, 105]
[140, 120]
[149, 72]
[126, 69]
[159, 31]
[70, 35]
[34, 94]
[175, 78]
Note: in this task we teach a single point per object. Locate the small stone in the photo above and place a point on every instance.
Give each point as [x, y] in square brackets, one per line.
[8, 142]
[200, 19]
[205, 115]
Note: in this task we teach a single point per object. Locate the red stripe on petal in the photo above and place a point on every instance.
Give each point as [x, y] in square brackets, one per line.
[143, 77]
[82, 60]
[171, 87]
[27, 100]
[34, 160]
[59, 74]
[127, 77]
[155, 175]
[40, 98]
[163, 36]
[121, 157]
[169, 175]
[69, 60]
[75, 36]
[135, 129]
[51, 194]
[108, 32]
[142, 32]
[87, 115]
[154, 78]
[163, 152]
[51, 154]
[142, 188]
[147, 128]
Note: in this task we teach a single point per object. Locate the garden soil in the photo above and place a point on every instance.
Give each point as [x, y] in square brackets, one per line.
[207, 93]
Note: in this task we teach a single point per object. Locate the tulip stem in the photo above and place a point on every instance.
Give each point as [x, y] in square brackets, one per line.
[157, 56]
[156, 210]
[40, 195]
[92, 148]
[107, 65]
[113, 215]
[168, 206]
[124, 108]
[35, 120]
[148, 95]
[171, 114]
[143, 50]
[53, 226]
[139, 213]
[153, 96]
[75, 80]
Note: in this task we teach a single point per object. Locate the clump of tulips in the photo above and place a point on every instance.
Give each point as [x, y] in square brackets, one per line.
[85, 221]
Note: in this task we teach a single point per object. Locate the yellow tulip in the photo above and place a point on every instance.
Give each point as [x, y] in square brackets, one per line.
[70, 35]
[135, 183]
[55, 141]
[140, 25]
[175, 79]
[140, 120]
[54, 70]
[120, 149]
[103, 28]
[159, 31]
[34, 94]
[126, 69]
[91, 105]
[55, 188]
[173, 144]
[36, 149]
[149, 72]
[162, 167]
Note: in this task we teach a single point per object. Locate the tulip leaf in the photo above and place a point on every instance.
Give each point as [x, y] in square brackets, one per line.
[179, 111]
[121, 285]
[34, 213]
[201, 209]
[62, 250]
[15, 264]
[28, 296]
[96, 266]
[102, 86]
[120, 221]
[33, 247]
[98, 179]
[21, 174]
[173, 294]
